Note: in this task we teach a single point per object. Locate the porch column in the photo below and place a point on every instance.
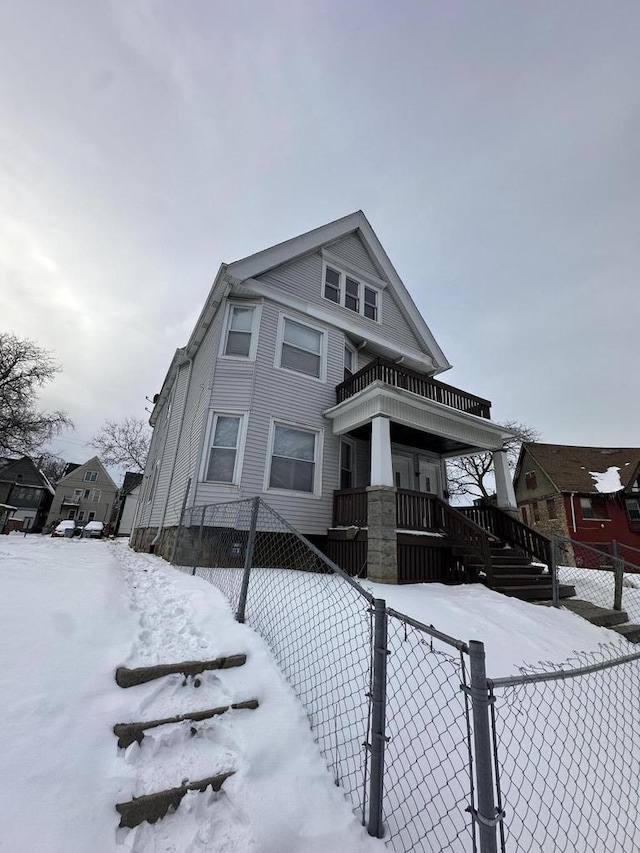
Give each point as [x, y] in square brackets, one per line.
[381, 467]
[504, 485]
[382, 553]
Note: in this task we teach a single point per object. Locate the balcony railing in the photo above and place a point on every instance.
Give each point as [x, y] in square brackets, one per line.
[71, 500]
[410, 380]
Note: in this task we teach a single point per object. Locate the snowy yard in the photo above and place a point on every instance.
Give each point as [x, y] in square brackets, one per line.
[74, 610]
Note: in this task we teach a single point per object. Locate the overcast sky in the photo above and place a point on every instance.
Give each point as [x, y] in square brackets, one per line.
[494, 147]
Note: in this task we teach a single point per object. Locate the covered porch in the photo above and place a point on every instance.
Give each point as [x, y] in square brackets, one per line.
[392, 515]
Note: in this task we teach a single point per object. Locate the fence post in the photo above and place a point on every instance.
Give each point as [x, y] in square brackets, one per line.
[553, 568]
[180, 523]
[375, 825]
[486, 815]
[618, 576]
[196, 556]
[248, 559]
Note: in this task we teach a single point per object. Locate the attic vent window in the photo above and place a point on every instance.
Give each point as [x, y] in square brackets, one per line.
[530, 480]
[351, 293]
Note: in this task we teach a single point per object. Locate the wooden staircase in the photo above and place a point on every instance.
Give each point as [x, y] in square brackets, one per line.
[513, 574]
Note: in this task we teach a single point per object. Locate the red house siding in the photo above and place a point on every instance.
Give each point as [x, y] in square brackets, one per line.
[602, 531]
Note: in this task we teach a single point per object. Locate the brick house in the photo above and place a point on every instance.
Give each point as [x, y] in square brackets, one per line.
[587, 494]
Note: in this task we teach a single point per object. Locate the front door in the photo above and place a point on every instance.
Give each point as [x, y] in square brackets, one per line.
[403, 475]
[428, 476]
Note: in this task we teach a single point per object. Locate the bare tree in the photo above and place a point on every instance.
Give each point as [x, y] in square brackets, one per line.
[52, 467]
[472, 476]
[124, 443]
[24, 368]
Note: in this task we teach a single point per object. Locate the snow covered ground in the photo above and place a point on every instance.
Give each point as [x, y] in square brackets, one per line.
[74, 610]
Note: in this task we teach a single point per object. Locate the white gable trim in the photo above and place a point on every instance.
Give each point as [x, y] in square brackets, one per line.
[317, 239]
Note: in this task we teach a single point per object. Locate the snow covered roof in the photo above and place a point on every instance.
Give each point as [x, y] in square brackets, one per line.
[586, 470]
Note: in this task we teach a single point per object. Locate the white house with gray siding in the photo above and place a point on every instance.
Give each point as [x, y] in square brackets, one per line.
[309, 375]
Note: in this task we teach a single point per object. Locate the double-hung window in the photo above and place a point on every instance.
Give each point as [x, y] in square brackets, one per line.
[301, 348]
[223, 463]
[95, 496]
[294, 459]
[240, 333]
[351, 292]
[346, 464]
[633, 509]
[594, 507]
[350, 358]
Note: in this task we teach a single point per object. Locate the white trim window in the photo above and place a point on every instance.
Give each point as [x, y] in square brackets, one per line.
[154, 481]
[96, 494]
[90, 476]
[225, 442]
[81, 515]
[301, 348]
[240, 337]
[350, 361]
[294, 459]
[92, 515]
[351, 292]
[347, 463]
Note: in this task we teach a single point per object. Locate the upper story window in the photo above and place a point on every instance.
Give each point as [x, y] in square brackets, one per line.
[301, 348]
[530, 480]
[594, 508]
[240, 334]
[633, 508]
[90, 476]
[352, 293]
[350, 360]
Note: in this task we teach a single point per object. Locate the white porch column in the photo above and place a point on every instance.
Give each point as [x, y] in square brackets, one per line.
[504, 485]
[381, 468]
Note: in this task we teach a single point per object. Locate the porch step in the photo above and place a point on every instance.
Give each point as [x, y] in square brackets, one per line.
[528, 592]
[535, 591]
[528, 569]
[520, 579]
[509, 558]
[601, 616]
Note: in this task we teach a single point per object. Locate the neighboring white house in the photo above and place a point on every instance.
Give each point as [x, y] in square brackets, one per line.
[86, 493]
[127, 503]
[309, 371]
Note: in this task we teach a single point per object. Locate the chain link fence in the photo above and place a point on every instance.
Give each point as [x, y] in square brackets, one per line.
[568, 754]
[432, 754]
[380, 689]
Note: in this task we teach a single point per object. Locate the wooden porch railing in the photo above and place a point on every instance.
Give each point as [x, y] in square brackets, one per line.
[380, 369]
[418, 511]
[350, 507]
[504, 526]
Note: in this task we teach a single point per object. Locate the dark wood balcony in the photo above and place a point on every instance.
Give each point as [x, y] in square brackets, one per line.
[397, 376]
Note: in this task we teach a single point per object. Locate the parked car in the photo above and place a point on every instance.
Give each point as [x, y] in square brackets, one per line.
[65, 528]
[93, 530]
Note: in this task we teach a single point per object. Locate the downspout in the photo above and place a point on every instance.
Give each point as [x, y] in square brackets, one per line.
[573, 512]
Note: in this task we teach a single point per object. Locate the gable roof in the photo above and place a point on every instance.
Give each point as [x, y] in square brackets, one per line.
[571, 468]
[10, 469]
[282, 253]
[131, 480]
[90, 464]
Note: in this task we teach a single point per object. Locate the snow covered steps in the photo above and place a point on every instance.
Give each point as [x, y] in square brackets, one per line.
[128, 733]
[126, 677]
[153, 807]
